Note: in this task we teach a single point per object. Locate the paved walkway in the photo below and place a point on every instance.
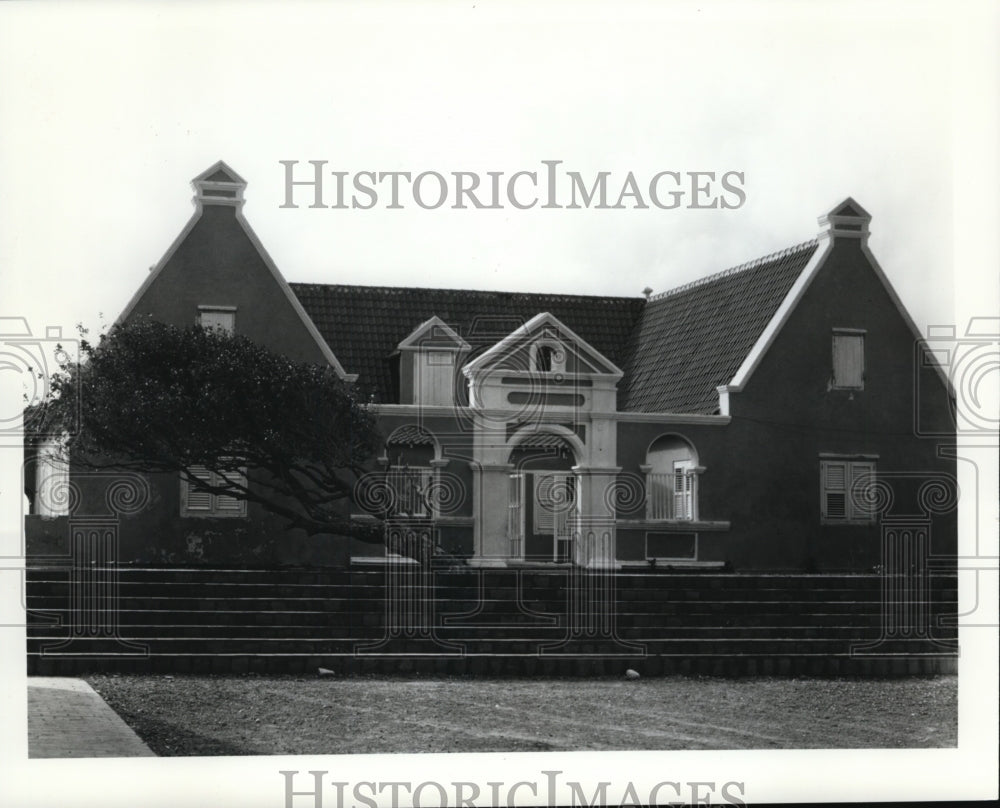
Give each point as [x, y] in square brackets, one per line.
[66, 718]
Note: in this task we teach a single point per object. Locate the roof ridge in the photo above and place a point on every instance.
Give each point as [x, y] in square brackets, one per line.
[756, 262]
[438, 289]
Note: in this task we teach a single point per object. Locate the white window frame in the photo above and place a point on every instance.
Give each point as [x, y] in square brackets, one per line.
[557, 365]
[206, 504]
[836, 358]
[839, 476]
[515, 514]
[206, 315]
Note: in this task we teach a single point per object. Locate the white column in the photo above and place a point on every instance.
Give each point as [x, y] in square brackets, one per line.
[490, 505]
[596, 526]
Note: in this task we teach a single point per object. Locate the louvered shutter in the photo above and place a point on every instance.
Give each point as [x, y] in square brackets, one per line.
[861, 479]
[226, 505]
[197, 500]
[834, 502]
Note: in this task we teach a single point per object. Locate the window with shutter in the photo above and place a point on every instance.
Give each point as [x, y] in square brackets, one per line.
[844, 494]
[195, 502]
[671, 480]
[835, 490]
[849, 360]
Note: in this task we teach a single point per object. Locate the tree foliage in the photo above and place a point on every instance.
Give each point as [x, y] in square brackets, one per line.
[153, 397]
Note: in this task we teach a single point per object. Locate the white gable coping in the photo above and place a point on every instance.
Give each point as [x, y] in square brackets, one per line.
[268, 262]
[829, 222]
[219, 165]
[433, 325]
[522, 333]
[219, 192]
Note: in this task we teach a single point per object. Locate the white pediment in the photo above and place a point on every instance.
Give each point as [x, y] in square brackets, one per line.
[433, 334]
[543, 345]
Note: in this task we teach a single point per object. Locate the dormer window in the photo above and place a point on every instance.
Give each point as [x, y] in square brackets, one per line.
[219, 318]
[427, 361]
[435, 377]
[548, 356]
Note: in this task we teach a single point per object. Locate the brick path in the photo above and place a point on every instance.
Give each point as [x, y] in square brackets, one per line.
[66, 718]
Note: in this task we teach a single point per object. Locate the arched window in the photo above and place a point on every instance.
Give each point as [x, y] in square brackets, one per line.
[548, 356]
[671, 479]
[411, 455]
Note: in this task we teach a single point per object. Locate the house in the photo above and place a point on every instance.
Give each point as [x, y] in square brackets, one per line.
[761, 419]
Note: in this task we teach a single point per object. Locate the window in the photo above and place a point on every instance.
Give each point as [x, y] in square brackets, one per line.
[412, 489]
[845, 490]
[848, 359]
[220, 318]
[548, 356]
[671, 480]
[203, 503]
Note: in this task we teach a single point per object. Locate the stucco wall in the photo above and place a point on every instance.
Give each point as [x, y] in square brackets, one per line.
[763, 469]
[217, 264]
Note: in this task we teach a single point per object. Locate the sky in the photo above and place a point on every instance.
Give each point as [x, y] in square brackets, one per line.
[101, 142]
[108, 110]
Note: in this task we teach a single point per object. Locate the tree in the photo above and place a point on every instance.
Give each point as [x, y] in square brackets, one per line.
[225, 414]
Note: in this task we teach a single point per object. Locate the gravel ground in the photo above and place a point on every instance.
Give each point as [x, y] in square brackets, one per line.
[268, 715]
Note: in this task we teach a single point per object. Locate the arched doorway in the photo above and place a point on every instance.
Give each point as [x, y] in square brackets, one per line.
[542, 501]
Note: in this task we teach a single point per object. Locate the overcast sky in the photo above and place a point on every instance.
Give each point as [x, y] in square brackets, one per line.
[107, 111]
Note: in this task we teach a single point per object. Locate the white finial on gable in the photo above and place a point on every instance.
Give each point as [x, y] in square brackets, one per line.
[219, 185]
[846, 220]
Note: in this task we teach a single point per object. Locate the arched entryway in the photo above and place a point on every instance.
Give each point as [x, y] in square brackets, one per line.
[542, 498]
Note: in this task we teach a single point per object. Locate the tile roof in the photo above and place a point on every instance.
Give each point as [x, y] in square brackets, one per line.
[675, 348]
[693, 338]
[364, 324]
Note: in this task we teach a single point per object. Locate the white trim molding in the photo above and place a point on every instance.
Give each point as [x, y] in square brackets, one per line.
[835, 225]
[526, 331]
[435, 325]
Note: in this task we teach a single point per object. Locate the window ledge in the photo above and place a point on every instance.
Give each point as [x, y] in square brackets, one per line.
[664, 563]
[381, 561]
[673, 524]
[848, 522]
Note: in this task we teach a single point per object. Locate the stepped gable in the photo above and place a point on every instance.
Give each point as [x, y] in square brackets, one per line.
[364, 324]
[694, 338]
